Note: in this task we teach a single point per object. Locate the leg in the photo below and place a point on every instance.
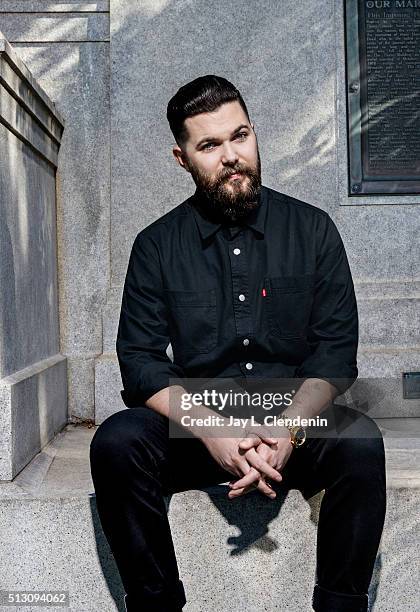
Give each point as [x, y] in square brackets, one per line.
[350, 466]
[134, 466]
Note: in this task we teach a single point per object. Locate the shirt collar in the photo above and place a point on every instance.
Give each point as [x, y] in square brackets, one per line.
[207, 227]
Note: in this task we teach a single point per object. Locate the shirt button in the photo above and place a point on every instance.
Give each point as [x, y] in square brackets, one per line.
[236, 251]
[249, 366]
[241, 297]
[245, 341]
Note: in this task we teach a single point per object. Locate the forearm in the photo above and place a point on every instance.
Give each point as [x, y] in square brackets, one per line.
[312, 398]
[167, 402]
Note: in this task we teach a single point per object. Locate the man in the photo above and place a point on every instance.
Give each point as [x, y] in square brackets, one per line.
[249, 284]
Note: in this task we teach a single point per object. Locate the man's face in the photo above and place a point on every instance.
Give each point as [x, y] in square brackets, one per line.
[221, 153]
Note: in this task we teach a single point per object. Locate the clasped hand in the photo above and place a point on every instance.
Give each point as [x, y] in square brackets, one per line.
[272, 451]
[254, 459]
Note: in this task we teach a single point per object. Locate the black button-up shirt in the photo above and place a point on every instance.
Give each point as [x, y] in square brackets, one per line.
[272, 297]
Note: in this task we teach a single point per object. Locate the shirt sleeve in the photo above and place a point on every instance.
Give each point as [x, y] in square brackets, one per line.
[143, 336]
[333, 331]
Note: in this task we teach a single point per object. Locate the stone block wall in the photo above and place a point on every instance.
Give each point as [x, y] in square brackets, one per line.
[66, 46]
[33, 377]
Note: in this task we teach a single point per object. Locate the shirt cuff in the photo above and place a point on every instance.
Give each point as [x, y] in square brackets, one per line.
[153, 378]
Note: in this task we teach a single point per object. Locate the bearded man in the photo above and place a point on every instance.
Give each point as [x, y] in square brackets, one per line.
[250, 284]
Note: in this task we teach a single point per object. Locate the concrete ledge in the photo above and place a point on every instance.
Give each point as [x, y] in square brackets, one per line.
[25, 109]
[56, 27]
[33, 408]
[254, 554]
[20, 67]
[43, 6]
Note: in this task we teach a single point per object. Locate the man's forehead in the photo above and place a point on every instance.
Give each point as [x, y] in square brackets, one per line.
[226, 118]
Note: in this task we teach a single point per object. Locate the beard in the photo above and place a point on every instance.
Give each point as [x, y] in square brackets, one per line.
[229, 203]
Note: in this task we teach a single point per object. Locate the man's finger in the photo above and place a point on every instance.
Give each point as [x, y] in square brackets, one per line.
[268, 439]
[244, 466]
[255, 439]
[247, 443]
[251, 477]
[256, 461]
[261, 485]
[238, 492]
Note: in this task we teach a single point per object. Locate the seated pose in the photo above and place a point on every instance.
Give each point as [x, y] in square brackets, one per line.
[250, 284]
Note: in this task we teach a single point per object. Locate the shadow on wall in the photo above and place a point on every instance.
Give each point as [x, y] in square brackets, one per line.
[106, 559]
[253, 526]
[27, 218]
[8, 314]
[282, 75]
[76, 76]
[241, 513]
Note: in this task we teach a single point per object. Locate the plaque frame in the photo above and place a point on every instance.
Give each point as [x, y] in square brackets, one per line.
[356, 87]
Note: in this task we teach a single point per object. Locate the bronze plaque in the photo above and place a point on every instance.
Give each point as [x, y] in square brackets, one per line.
[383, 96]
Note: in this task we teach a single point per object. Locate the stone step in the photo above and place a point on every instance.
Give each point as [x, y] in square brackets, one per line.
[52, 538]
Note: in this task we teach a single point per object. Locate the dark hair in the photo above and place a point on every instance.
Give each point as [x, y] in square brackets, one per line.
[202, 95]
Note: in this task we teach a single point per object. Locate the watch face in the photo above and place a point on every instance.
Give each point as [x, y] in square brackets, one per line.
[300, 436]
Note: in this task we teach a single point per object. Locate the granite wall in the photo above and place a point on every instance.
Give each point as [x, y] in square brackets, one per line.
[118, 174]
[33, 379]
[66, 46]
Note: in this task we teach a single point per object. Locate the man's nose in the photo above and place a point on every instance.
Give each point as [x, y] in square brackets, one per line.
[229, 154]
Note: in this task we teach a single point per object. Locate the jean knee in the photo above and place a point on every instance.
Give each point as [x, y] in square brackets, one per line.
[129, 436]
[364, 457]
[111, 437]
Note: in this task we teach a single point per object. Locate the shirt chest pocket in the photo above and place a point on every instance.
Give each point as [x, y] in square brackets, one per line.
[192, 321]
[288, 304]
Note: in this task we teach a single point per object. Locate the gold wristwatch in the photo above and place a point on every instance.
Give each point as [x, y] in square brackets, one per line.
[297, 434]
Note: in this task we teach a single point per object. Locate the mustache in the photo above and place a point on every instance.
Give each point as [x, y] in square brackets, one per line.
[238, 170]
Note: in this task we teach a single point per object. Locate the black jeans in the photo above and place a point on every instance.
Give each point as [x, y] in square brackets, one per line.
[135, 464]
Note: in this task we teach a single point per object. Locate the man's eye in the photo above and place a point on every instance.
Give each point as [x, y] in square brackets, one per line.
[208, 145]
[242, 135]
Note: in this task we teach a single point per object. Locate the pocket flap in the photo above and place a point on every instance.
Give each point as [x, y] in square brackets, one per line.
[291, 283]
[191, 298]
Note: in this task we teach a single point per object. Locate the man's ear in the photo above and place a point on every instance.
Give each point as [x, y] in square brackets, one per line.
[180, 157]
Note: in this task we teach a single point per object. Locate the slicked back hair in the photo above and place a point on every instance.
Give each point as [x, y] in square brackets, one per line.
[202, 95]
